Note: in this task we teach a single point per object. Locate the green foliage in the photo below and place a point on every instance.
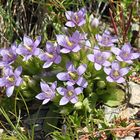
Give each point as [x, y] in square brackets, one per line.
[113, 97]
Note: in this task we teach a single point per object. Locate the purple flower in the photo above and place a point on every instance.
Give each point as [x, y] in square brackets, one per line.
[115, 73]
[52, 55]
[69, 94]
[8, 55]
[73, 76]
[106, 39]
[11, 79]
[48, 93]
[70, 43]
[75, 18]
[99, 58]
[29, 47]
[125, 53]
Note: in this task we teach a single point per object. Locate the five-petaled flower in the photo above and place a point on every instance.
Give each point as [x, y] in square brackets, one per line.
[28, 47]
[48, 92]
[73, 76]
[11, 79]
[8, 55]
[76, 18]
[51, 55]
[69, 94]
[116, 73]
[71, 43]
[99, 58]
[106, 40]
[125, 54]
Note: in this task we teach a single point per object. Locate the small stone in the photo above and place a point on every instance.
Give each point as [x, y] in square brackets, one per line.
[135, 93]
[127, 138]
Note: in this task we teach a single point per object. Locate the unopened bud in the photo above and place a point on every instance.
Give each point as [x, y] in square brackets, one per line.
[101, 84]
[95, 22]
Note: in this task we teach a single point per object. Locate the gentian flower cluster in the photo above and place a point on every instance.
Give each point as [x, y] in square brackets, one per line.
[48, 93]
[99, 58]
[51, 55]
[28, 47]
[125, 54]
[8, 55]
[76, 18]
[106, 40]
[105, 53]
[11, 79]
[71, 43]
[73, 76]
[69, 94]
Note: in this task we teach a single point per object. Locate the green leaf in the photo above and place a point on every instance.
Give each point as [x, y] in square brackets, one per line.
[113, 97]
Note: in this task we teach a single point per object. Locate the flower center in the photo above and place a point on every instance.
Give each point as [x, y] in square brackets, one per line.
[48, 93]
[69, 43]
[11, 78]
[76, 18]
[69, 93]
[10, 56]
[105, 39]
[28, 48]
[73, 75]
[116, 73]
[99, 58]
[49, 55]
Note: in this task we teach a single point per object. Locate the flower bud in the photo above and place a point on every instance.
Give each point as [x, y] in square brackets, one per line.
[101, 84]
[95, 22]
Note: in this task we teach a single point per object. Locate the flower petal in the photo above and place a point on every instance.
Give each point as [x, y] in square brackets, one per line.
[97, 66]
[106, 54]
[44, 86]
[62, 91]
[90, 57]
[115, 65]
[81, 69]
[82, 22]
[78, 90]
[76, 48]
[58, 59]
[109, 79]
[41, 96]
[106, 63]
[63, 101]
[120, 80]
[9, 91]
[135, 55]
[63, 76]
[18, 81]
[64, 50]
[124, 71]
[107, 70]
[61, 39]
[127, 47]
[45, 101]
[18, 71]
[54, 85]
[74, 100]
[115, 50]
[98, 37]
[82, 82]
[47, 64]
[70, 24]
[69, 14]
[70, 83]
[27, 40]
[37, 41]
